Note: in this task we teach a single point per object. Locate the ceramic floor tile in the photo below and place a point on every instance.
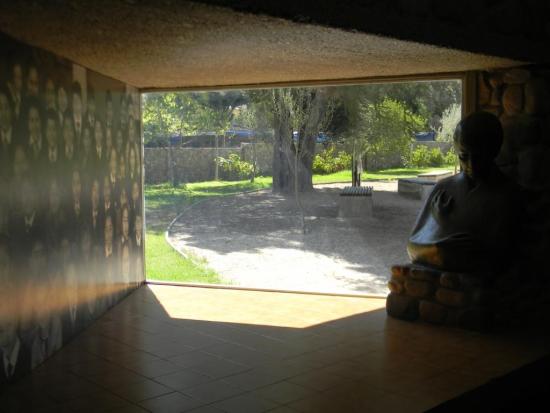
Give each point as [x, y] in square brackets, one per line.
[284, 392]
[219, 368]
[245, 404]
[183, 379]
[177, 349]
[170, 403]
[214, 391]
[142, 390]
[193, 358]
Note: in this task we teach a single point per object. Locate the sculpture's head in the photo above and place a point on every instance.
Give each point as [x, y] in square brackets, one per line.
[477, 141]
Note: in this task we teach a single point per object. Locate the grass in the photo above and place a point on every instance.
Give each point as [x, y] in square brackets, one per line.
[163, 203]
[385, 174]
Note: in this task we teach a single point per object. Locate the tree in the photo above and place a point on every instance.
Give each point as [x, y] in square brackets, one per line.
[380, 129]
[167, 114]
[299, 114]
[449, 120]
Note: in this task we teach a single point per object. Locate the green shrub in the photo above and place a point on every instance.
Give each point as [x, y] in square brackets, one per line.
[327, 161]
[422, 157]
[233, 168]
[450, 157]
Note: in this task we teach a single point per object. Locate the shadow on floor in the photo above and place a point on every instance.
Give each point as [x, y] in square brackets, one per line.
[178, 349]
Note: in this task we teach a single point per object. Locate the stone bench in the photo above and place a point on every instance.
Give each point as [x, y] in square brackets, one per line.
[435, 176]
[415, 187]
[355, 202]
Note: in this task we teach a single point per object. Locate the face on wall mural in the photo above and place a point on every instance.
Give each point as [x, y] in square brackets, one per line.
[108, 141]
[77, 108]
[34, 122]
[125, 223]
[86, 245]
[109, 111]
[20, 163]
[68, 137]
[108, 234]
[113, 164]
[27, 198]
[138, 229]
[54, 197]
[86, 141]
[50, 94]
[5, 112]
[107, 192]
[119, 141]
[95, 195]
[32, 81]
[125, 262]
[98, 134]
[135, 193]
[121, 167]
[67, 229]
[91, 108]
[17, 78]
[123, 198]
[51, 137]
[133, 162]
[76, 186]
[62, 102]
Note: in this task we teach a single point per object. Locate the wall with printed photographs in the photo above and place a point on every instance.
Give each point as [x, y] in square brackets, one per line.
[71, 217]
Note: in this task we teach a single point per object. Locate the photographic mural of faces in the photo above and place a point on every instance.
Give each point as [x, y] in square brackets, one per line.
[71, 228]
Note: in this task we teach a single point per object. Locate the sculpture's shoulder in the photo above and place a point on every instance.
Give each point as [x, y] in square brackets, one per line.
[451, 184]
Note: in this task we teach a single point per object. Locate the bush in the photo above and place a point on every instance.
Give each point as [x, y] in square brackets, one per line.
[327, 162]
[451, 158]
[233, 168]
[422, 157]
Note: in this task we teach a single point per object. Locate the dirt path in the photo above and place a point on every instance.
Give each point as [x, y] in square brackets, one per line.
[256, 239]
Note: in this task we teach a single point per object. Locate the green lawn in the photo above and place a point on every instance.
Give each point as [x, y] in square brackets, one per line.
[385, 174]
[164, 202]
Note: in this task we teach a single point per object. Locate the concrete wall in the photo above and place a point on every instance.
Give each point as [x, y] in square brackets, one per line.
[71, 242]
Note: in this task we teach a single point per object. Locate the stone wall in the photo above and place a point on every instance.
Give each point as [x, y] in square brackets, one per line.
[443, 146]
[197, 164]
[521, 100]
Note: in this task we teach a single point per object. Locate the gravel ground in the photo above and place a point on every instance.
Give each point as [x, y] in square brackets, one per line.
[257, 239]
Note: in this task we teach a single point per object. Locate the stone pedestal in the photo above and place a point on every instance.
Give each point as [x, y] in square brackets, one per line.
[355, 202]
[478, 302]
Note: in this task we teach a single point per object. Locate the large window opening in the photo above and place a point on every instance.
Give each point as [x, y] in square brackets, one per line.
[302, 188]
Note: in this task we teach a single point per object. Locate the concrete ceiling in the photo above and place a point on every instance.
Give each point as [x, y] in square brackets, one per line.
[166, 45]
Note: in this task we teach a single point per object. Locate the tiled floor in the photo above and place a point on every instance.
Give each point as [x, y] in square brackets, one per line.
[178, 349]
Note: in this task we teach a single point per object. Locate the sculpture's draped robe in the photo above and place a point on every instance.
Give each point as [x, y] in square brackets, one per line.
[479, 230]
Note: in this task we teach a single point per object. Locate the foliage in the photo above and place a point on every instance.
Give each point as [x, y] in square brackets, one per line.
[449, 120]
[427, 99]
[328, 161]
[450, 157]
[181, 113]
[233, 168]
[422, 156]
[380, 129]
[168, 114]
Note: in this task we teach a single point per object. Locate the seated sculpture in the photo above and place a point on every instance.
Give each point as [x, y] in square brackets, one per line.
[469, 222]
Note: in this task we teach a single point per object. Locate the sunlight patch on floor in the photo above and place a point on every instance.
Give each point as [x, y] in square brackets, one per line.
[241, 307]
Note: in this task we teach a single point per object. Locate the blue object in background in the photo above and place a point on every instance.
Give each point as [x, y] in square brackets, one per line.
[424, 136]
